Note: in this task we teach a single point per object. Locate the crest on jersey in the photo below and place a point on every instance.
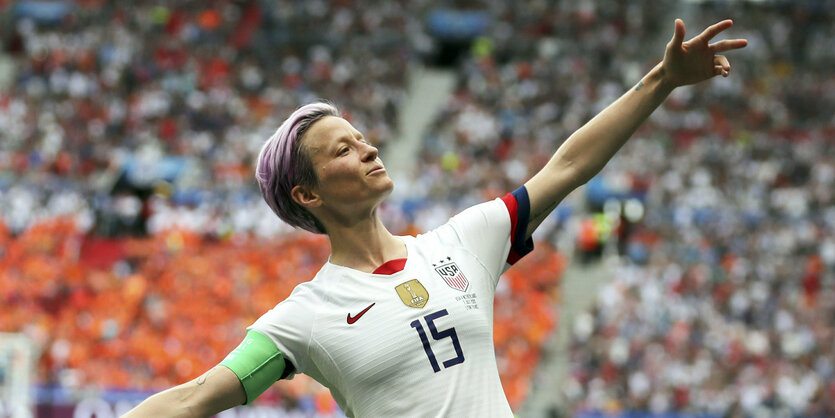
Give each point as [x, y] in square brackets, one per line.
[453, 276]
[412, 293]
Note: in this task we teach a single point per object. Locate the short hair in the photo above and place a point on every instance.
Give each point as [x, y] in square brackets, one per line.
[282, 165]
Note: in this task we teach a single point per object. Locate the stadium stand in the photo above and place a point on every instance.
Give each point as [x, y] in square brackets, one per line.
[148, 313]
[115, 103]
[723, 301]
[128, 136]
[129, 216]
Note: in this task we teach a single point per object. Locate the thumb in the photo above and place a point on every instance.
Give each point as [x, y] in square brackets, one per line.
[678, 35]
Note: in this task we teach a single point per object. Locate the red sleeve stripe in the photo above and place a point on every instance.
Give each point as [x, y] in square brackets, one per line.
[519, 207]
[512, 209]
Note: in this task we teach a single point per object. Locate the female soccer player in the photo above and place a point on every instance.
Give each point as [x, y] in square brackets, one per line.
[402, 326]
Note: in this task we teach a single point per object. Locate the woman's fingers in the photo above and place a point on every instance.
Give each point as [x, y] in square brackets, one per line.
[721, 66]
[678, 34]
[714, 30]
[722, 61]
[699, 49]
[728, 45]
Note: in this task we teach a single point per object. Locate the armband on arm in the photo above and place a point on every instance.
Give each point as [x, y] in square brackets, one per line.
[258, 364]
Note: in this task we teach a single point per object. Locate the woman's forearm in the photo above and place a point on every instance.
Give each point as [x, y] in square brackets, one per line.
[216, 390]
[589, 149]
[172, 402]
[586, 151]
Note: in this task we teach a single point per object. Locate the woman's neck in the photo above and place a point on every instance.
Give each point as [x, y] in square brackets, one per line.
[364, 246]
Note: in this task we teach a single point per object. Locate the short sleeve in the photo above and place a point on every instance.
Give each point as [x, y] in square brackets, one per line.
[289, 325]
[495, 231]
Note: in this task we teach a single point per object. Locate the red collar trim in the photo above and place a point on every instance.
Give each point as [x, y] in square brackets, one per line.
[391, 266]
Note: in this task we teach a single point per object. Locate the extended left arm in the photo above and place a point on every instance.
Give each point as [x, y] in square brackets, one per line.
[588, 149]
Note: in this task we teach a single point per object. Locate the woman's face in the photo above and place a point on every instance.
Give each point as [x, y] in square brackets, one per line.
[351, 175]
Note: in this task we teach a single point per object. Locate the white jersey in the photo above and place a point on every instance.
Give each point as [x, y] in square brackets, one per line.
[416, 342]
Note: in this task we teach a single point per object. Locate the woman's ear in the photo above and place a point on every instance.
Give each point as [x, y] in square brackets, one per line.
[304, 196]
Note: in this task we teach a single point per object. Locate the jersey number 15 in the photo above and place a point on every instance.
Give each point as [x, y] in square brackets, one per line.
[438, 335]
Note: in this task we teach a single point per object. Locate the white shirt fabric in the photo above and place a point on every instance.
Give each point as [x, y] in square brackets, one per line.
[379, 366]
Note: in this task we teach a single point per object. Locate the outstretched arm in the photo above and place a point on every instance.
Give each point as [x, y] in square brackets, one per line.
[588, 149]
[244, 374]
[217, 390]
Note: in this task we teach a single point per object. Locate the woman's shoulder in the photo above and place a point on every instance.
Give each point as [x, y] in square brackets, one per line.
[322, 284]
[313, 288]
[469, 217]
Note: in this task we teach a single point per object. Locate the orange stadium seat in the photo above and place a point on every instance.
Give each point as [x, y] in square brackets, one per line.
[149, 313]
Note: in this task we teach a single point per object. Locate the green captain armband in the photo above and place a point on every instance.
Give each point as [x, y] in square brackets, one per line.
[257, 362]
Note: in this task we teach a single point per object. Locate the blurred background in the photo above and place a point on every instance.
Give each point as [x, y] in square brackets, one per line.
[695, 276]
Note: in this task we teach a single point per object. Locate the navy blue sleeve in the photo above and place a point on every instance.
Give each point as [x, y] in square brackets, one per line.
[519, 207]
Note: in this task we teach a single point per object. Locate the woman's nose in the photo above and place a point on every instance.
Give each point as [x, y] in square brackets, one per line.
[370, 153]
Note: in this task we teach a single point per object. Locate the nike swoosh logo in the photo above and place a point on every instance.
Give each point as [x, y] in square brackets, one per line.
[353, 319]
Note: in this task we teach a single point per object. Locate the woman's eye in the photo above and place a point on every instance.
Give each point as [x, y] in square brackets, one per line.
[343, 151]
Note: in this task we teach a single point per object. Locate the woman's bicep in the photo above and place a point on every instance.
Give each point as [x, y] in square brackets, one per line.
[257, 363]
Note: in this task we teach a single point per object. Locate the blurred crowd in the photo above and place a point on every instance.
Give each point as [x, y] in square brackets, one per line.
[544, 69]
[128, 213]
[149, 313]
[144, 119]
[723, 301]
[144, 115]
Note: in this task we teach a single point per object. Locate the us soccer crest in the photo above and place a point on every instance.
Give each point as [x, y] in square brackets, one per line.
[453, 276]
[412, 293]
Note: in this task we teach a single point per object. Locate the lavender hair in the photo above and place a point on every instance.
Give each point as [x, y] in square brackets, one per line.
[283, 164]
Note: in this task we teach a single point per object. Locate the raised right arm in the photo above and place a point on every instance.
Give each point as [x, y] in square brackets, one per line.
[216, 390]
[588, 149]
